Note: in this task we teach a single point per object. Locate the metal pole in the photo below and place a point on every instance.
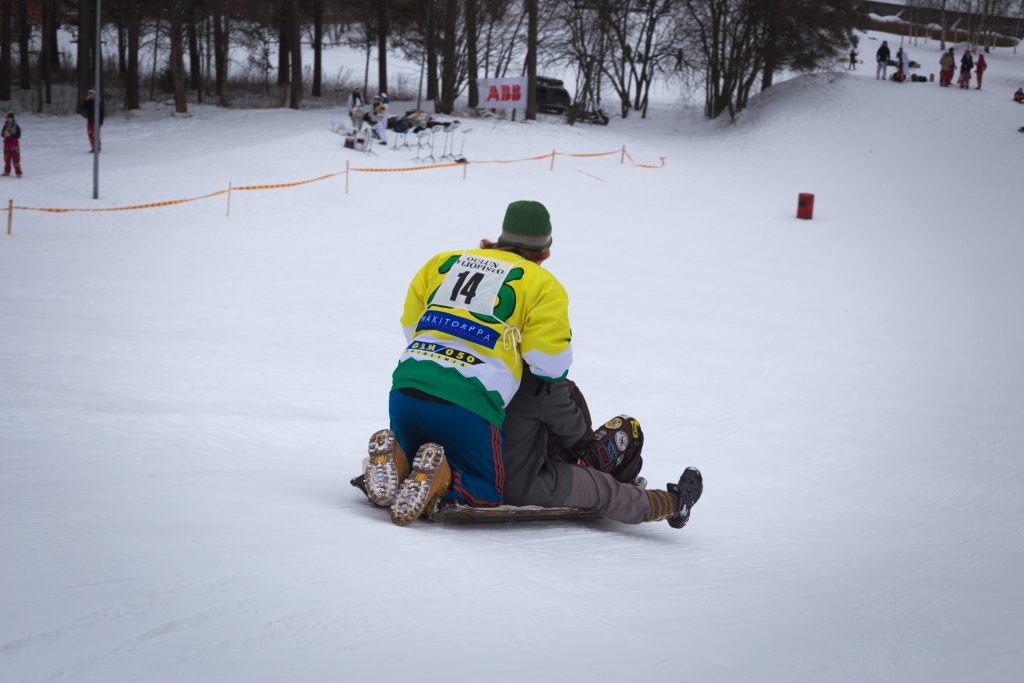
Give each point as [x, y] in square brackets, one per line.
[96, 125]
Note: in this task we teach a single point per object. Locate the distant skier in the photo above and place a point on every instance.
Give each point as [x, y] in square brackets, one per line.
[12, 146]
[948, 64]
[853, 59]
[980, 67]
[966, 64]
[882, 57]
[87, 109]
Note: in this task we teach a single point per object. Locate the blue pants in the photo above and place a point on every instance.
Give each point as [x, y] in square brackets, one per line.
[472, 445]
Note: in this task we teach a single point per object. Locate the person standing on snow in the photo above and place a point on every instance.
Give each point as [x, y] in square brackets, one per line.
[980, 67]
[472, 319]
[355, 99]
[904, 65]
[853, 59]
[12, 148]
[966, 64]
[882, 57]
[380, 113]
[948, 64]
[87, 109]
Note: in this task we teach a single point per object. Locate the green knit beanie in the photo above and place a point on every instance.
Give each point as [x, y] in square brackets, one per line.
[527, 225]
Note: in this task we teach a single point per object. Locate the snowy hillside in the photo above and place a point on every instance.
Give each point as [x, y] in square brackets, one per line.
[184, 396]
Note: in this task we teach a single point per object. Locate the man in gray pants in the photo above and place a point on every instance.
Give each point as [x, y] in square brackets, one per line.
[547, 423]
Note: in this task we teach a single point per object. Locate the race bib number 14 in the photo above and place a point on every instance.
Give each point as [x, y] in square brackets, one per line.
[472, 284]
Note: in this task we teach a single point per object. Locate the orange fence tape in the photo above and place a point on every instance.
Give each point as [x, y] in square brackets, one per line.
[246, 188]
[243, 188]
[151, 205]
[594, 154]
[514, 161]
[660, 165]
[405, 168]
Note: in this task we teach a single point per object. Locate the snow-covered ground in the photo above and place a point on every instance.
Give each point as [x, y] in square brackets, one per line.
[184, 396]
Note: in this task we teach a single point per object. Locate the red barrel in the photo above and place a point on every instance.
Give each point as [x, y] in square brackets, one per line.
[805, 206]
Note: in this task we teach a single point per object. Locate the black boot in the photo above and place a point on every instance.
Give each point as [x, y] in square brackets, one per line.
[689, 488]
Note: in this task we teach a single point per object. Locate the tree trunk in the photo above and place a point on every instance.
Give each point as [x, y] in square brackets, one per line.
[5, 51]
[195, 62]
[122, 47]
[431, 56]
[133, 35]
[46, 62]
[220, 53]
[85, 31]
[318, 42]
[178, 60]
[156, 51]
[295, 43]
[24, 33]
[531, 60]
[55, 51]
[283, 49]
[471, 53]
[382, 45]
[449, 68]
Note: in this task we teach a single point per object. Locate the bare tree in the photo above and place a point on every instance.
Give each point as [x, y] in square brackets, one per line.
[445, 104]
[531, 59]
[471, 53]
[5, 51]
[318, 45]
[133, 34]
[24, 33]
[295, 43]
[177, 57]
[221, 45]
[382, 45]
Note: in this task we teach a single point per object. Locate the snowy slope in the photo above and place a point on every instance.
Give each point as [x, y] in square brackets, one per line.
[183, 397]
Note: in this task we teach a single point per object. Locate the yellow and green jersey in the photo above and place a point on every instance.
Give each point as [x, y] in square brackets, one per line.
[471, 318]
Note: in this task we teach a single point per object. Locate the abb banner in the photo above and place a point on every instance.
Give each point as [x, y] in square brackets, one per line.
[503, 93]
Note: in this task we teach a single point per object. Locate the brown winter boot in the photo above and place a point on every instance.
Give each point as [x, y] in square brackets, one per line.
[431, 478]
[386, 468]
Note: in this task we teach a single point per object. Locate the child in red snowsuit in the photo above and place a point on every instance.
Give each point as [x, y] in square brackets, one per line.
[980, 67]
[12, 148]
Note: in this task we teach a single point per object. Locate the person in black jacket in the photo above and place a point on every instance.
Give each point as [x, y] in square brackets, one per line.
[87, 109]
[882, 56]
[12, 148]
[966, 64]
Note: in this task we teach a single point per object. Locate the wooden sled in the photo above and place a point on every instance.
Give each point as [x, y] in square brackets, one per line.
[456, 513]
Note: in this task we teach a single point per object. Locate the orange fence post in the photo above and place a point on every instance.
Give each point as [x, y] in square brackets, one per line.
[622, 157]
[10, 215]
[227, 214]
[346, 175]
[553, 153]
[465, 165]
